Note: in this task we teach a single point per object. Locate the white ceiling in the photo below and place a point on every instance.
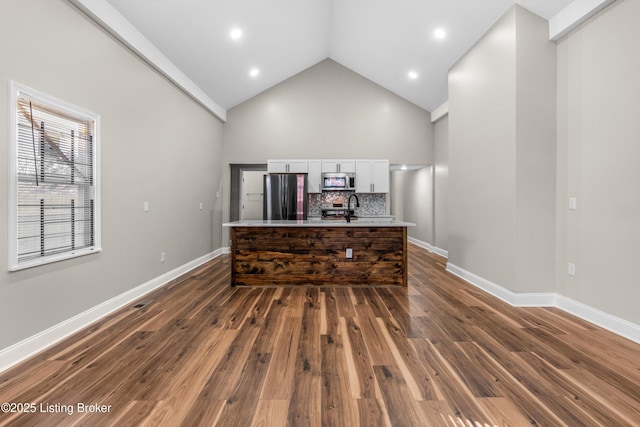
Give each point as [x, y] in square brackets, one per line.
[380, 39]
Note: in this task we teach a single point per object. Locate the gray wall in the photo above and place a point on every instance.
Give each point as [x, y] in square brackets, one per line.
[158, 145]
[482, 156]
[326, 111]
[503, 164]
[501, 155]
[418, 196]
[441, 179]
[413, 191]
[599, 161]
[535, 154]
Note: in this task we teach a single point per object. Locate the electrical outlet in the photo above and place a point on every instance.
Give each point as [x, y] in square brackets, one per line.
[572, 269]
[162, 257]
[573, 203]
[349, 253]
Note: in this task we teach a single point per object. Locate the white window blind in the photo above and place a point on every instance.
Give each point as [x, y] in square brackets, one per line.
[55, 181]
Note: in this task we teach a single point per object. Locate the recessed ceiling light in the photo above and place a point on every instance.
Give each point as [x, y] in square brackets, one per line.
[439, 33]
[254, 72]
[412, 75]
[236, 34]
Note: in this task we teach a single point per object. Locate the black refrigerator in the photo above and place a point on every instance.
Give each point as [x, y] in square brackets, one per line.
[285, 196]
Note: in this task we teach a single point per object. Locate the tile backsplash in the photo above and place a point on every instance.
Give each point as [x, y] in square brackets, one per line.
[370, 204]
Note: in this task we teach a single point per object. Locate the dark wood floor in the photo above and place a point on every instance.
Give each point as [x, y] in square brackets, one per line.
[439, 352]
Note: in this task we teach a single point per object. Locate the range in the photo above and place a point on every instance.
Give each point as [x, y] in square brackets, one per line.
[335, 211]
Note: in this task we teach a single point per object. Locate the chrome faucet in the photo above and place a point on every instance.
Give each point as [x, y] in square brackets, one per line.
[347, 216]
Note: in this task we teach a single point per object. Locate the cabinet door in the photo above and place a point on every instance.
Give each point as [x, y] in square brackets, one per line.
[298, 166]
[277, 166]
[314, 180]
[363, 176]
[380, 176]
[329, 166]
[346, 166]
[287, 166]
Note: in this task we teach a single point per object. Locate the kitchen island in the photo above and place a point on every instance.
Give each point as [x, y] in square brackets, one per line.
[320, 253]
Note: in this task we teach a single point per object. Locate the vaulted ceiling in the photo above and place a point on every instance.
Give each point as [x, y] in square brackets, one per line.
[383, 40]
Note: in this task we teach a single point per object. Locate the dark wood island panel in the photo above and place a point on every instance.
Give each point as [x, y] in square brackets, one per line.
[294, 256]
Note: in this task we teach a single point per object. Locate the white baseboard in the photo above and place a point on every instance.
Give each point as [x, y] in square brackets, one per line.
[429, 247]
[607, 321]
[28, 347]
[614, 324]
[513, 298]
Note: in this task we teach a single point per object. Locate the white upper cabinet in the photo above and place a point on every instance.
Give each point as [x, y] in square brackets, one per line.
[372, 176]
[380, 176]
[287, 166]
[344, 166]
[314, 180]
[298, 166]
[277, 166]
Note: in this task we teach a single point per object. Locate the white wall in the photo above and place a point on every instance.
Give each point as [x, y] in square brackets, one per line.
[599, 161]
[158, 145]
[501, 155]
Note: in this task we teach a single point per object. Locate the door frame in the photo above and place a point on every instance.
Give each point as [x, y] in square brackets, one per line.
[235, 195]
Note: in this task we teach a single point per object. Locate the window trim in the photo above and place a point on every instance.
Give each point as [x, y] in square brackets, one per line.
[15, 91]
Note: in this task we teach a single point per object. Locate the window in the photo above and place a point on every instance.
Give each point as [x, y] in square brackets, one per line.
[54, 181]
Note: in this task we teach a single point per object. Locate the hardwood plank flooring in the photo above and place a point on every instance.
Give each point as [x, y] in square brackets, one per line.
[437, 353]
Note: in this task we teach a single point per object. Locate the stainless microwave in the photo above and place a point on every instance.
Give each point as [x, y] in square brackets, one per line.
[338, 181]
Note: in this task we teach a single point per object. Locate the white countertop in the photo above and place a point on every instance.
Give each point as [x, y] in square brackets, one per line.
[370, 222]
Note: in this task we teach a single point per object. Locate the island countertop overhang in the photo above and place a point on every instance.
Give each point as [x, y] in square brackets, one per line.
[321, 224]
